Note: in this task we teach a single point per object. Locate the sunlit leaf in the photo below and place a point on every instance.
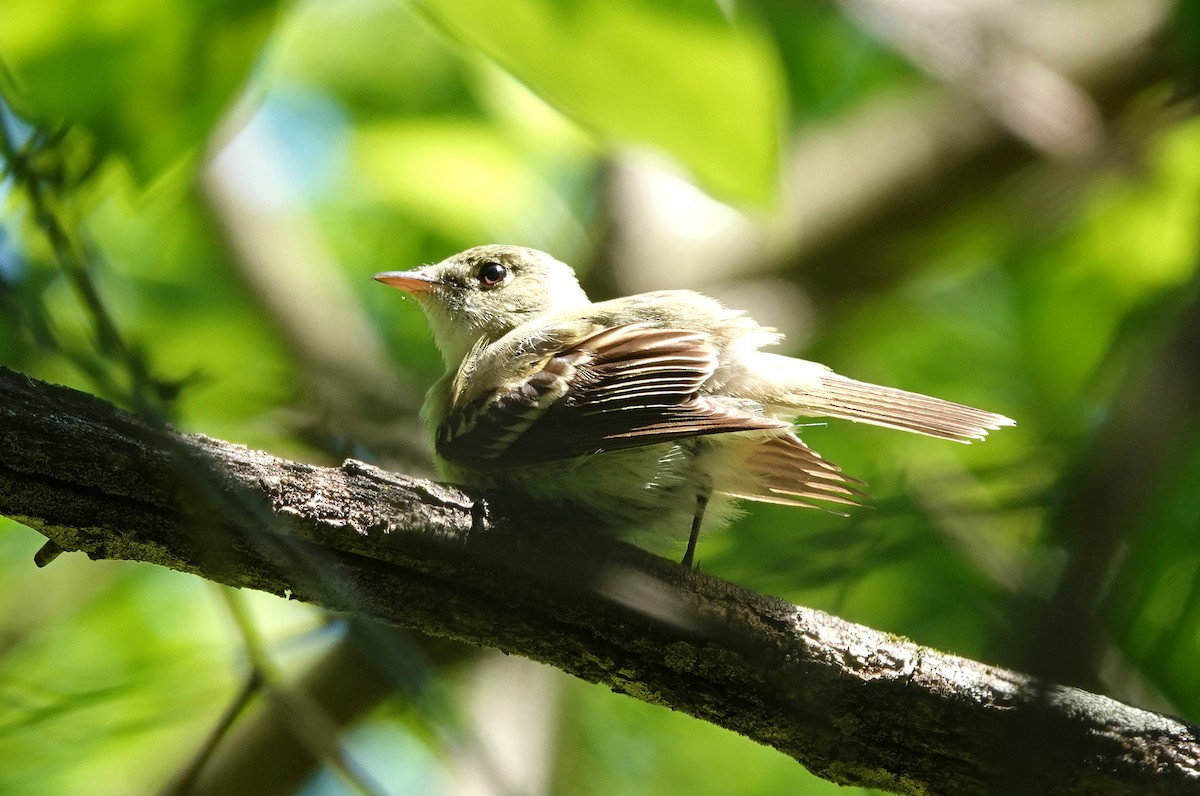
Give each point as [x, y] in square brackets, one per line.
[679, 77]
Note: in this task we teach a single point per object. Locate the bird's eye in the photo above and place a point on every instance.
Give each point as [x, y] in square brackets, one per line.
[492, 274]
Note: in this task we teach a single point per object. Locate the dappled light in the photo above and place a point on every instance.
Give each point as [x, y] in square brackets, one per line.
[996, 203]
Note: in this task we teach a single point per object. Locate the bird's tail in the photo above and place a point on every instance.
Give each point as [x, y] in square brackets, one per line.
[812, 390]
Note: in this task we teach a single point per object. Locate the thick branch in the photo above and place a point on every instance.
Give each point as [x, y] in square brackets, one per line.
[852, 704]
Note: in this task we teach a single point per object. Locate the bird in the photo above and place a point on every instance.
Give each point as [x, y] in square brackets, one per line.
[638, 416]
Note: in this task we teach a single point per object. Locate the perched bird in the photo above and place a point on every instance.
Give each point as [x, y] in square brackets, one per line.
[636, 414]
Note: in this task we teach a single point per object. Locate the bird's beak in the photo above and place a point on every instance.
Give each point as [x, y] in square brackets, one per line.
[413, 282]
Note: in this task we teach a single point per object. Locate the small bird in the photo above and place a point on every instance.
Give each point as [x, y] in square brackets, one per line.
[636, 415]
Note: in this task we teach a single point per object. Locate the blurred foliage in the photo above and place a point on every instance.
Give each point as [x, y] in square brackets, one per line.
[205, 160]
[717, 114]
[148, 80]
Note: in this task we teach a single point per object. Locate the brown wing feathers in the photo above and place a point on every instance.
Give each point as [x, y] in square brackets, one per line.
[622, 387]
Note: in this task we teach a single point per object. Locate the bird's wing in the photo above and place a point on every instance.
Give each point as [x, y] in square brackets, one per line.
[620, 387]
[784, 470]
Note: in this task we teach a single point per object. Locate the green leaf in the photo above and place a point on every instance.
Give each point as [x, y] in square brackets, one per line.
[148, 79]
[677, 76]
[455, 176]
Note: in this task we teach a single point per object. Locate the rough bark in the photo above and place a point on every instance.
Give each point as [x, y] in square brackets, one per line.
[852, 704]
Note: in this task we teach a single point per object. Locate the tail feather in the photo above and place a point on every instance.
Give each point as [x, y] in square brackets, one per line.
[780, 468]
[847, 399]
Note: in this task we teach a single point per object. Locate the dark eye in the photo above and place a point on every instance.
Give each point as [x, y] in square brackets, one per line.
[492, 274]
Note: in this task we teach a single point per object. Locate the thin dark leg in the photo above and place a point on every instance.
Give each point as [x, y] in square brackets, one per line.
[479, 515]
[48, 552]
[701, 505]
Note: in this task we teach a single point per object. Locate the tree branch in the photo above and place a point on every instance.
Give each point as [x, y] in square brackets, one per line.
[852, 704]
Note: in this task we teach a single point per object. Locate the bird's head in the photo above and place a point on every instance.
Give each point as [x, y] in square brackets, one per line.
[486, 292]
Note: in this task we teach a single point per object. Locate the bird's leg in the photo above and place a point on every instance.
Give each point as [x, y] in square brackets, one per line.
[479, 513]
[48, 552]
[697, 519]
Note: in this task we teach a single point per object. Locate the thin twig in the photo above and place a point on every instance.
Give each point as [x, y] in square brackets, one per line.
[309, 723]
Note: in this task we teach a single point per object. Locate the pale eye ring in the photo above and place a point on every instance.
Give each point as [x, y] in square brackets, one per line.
[492, 274]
